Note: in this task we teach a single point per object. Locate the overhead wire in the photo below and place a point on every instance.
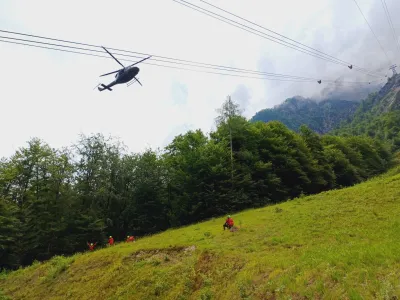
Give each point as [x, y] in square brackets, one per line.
[383, 50]
[160, 60]
[267, 75]
[396, 40]
[354, 66]
[267, 36]
[209, 13]
[316, 50]
[197, 64]
[158, 65]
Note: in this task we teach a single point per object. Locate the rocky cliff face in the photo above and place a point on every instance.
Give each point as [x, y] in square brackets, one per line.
[320, 116]
[388, 98]
[328, 114]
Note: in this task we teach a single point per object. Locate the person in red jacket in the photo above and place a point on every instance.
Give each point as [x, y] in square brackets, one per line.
[228, 223]
[91, 246]
[130, 239]
[111, 241]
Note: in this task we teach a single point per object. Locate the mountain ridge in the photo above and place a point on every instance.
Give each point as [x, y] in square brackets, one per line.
[328, 114]
[320, 116]
[378, 116]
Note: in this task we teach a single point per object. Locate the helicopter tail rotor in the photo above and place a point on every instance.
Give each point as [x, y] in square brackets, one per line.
[104, 87]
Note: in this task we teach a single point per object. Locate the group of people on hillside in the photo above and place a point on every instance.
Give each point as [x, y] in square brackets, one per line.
[129, 239]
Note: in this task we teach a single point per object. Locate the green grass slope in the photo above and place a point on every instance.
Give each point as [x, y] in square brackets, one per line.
[342, 244]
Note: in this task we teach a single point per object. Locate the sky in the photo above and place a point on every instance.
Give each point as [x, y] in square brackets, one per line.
[49, 94]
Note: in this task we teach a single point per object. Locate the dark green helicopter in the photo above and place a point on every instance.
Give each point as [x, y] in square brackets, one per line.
[124, 75]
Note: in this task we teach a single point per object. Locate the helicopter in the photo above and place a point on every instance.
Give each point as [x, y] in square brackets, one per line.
[125, 75]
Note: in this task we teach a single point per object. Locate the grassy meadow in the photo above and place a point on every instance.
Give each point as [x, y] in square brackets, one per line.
[342, 244]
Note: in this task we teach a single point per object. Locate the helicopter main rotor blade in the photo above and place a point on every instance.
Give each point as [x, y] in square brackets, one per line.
[113, 57]
[139, 61]
[111, 73]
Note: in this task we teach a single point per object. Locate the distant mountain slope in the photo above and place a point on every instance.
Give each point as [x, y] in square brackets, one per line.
[378, 115]
[319, 116]
[386, 100]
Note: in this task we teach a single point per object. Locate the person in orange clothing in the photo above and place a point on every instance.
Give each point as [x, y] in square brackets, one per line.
[228, 223]
[91, 246]
[111, 241]
[130, 239]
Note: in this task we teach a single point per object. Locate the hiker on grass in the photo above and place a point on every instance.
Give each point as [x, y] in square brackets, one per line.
[228, 223]
[91, 246]
[130, 239]
[111, 241]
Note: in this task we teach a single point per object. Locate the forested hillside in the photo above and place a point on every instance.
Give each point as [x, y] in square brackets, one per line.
[321, 116]
[378, 116]
[53, 201]
[341, 244]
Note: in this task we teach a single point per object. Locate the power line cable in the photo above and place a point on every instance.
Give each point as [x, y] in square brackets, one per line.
[372, 31]
[85, 49]
[223, 68]
[316, 50]
[396, 40]
[228, 68]
[126, 51]
[266, 36]
[158, 65]
[160, 60]
[390, 21]
[201, 71]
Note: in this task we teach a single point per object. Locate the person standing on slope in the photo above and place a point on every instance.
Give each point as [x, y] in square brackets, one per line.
[91, 246]
[111, 241]
[228, 223]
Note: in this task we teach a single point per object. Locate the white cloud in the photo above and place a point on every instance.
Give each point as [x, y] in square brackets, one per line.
[50, 94]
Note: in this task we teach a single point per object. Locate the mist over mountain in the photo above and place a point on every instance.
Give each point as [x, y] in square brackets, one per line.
[323, 111]
[340, 90]
[378, 116]
[320, 116]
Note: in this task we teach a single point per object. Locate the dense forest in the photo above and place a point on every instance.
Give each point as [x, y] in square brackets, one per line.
[54, 201]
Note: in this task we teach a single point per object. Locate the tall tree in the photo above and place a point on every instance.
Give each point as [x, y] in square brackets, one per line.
[324, 178]
[229, 110]
[97, 170]
[183, 158]
[9, 235]
[149, 194]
